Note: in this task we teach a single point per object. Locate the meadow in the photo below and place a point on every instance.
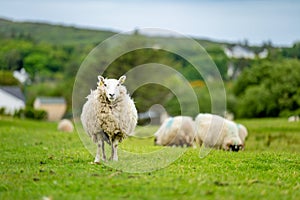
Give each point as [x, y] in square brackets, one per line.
[39, 162]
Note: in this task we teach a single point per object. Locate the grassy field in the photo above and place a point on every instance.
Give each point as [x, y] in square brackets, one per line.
[39, 162]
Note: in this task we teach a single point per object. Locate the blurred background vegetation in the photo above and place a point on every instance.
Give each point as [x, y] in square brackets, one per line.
[51, 54]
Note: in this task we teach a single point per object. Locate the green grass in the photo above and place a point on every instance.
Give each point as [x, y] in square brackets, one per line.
[37, 161]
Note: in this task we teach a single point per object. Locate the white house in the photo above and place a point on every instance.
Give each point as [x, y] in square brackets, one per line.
[239, 52]
[11, 98]
[263, 54]
[242, 52]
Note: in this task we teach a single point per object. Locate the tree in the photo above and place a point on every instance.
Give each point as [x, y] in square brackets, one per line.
[34, 63]
[269, 89]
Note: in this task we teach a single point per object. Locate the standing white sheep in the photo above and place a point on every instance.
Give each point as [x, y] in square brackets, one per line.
[109, 115]
[176, 131]
[215, 131]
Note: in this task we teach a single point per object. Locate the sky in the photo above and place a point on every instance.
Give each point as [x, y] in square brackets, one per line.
[256, 21]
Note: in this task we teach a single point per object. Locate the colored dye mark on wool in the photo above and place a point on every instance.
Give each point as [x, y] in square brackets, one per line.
[170, 122]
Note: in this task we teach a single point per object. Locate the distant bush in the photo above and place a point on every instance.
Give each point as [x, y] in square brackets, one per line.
[7, 78]
[2, 111]
[31, 113]
[288, 113]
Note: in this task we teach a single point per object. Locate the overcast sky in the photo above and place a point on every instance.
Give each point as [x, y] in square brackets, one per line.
[223, 20]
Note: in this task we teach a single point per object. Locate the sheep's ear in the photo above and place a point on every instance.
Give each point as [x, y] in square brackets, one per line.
[101, 80]
[122, 79]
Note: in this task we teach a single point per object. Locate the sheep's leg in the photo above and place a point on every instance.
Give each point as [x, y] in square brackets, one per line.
[103, 151]
[100, 147]
[114, 150]
[97, 158]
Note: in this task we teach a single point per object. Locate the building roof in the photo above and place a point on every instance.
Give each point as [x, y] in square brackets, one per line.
[51, 100]
[14, 91]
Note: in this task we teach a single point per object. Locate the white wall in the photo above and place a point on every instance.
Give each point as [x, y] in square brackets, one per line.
[10, 102]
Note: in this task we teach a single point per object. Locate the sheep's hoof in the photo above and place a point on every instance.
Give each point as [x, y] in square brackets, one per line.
[113, 159]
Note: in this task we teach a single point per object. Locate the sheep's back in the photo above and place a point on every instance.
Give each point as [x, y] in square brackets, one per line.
[89, 120]
[176, 131]
[211, 129]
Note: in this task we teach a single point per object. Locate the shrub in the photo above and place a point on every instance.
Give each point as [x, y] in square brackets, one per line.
[2, 111]
[7, 78]
[31, 113]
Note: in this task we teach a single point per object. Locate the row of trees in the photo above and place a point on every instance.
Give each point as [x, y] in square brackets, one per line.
[41, 60]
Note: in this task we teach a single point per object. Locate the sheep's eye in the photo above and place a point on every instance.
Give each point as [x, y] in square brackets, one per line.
[105, 85]
[118, 84]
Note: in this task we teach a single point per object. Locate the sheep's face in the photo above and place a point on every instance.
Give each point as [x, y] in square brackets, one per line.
[111, 87]
[234, 146]
[155, 141]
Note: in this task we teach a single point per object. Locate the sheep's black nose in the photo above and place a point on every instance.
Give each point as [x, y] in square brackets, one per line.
[235, 148]
[111, 95]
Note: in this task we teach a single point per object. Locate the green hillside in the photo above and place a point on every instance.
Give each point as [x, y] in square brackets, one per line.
[53, 34]
[62, 34]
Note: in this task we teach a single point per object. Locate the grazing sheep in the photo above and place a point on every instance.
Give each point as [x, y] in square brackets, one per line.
[176, 131]
[294, 118]
[65, 125]
[109, 115]
[215, 131]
